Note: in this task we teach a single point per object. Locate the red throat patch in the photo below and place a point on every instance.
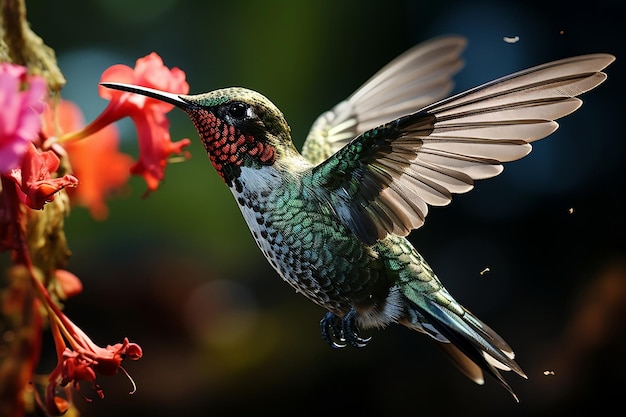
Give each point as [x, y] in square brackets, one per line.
[226, 145]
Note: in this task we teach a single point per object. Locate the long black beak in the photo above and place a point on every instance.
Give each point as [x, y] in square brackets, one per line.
[174, 99]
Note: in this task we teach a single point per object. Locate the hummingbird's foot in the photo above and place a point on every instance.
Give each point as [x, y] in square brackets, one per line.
[339, 332]
[332, 332]
[351, 332]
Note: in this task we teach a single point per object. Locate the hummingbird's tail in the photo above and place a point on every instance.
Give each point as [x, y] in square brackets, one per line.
[472, 345]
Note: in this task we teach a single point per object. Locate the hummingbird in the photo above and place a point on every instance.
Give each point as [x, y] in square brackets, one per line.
[333, 219]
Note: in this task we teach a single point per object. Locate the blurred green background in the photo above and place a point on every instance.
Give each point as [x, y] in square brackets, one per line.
[179, 273]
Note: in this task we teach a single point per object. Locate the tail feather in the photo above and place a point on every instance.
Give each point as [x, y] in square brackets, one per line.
[465, 364]
[472, 345]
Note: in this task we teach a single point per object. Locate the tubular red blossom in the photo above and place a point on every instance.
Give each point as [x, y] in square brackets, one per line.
[155, 145]
[150, 72]
[82, 366]
[20, 117]
[34, 180]
[82, 363]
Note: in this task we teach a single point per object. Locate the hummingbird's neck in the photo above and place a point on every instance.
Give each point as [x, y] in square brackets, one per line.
[227, 147]
[251, 180]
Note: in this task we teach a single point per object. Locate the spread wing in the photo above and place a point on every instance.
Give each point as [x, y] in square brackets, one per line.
[384, 180]
[418, 77]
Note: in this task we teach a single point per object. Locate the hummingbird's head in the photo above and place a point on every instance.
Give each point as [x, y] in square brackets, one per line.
[238, 127]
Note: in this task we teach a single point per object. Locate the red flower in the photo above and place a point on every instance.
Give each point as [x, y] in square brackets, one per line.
[31, 173]
[34, 180]
[83, 363]
[98, 176]
[155, 145]
[150, 72]
[20, 117]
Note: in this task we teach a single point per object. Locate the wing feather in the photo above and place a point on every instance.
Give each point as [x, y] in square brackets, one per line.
[420, 76]
[390, 174]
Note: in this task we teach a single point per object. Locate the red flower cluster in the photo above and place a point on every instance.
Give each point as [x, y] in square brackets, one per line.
[22, 102]
[45, 148]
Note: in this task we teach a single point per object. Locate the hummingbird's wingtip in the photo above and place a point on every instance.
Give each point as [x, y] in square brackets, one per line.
[171, 98]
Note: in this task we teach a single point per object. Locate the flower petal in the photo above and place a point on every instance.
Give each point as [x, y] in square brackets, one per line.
[20, 120]
[34, 177]
[155, 147]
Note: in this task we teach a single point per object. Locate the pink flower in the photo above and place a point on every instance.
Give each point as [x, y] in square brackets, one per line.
[20, 120]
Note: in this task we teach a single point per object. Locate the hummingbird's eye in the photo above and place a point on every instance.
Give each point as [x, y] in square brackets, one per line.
[238, 110]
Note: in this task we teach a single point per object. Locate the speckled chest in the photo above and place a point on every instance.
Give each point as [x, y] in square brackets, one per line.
[294, 236]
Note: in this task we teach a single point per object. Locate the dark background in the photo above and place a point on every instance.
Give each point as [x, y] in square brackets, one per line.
[222, 335]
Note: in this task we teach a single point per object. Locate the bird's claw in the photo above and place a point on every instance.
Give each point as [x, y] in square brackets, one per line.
[340, 332]
[332, 332]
